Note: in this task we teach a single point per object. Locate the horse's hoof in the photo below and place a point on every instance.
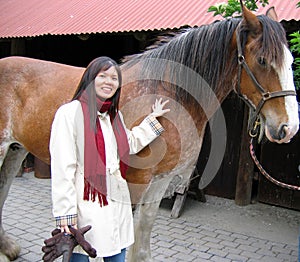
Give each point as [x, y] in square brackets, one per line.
[9, 249]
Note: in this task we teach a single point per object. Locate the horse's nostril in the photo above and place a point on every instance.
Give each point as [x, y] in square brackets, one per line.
[282, 131]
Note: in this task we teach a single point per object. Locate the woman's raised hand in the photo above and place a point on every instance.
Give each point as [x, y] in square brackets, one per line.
[158, 108]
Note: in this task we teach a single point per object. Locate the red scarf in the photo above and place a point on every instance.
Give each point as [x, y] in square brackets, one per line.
[94, 151]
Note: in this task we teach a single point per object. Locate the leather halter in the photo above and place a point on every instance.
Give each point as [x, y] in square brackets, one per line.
[265, 95]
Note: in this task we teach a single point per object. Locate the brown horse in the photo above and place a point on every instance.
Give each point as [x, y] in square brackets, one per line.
[195, 70]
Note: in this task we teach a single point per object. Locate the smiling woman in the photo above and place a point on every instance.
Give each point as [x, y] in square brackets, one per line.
[90, 149]
[107, 83]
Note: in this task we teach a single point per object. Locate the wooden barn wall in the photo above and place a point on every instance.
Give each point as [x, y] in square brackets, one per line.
[283, 163]
[224, 183]
[75, 50]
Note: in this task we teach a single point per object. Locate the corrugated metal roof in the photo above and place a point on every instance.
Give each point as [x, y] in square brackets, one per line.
[21, 18]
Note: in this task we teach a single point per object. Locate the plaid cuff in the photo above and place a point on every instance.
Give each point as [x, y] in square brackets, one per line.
[68, 220]
[155, 125]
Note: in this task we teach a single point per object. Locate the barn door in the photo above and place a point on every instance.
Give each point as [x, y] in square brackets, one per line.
[224, 183]
[283, 163]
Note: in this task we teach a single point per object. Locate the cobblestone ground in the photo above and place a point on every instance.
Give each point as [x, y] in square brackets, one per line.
[27, 217]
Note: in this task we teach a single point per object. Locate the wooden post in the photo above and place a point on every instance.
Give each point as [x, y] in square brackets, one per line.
[246, 168]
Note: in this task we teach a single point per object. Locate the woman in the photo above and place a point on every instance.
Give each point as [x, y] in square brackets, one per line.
[89, 148]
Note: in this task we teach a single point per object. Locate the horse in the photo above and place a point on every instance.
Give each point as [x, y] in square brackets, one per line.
[195, 69]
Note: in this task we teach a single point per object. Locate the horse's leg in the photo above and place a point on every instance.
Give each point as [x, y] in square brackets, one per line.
[144, 217]
[9, 249]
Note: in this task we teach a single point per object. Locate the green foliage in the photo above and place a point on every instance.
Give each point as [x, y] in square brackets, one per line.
[295, 47]
[234, 7]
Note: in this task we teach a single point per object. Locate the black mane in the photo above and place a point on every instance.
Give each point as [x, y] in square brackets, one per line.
[205, 50]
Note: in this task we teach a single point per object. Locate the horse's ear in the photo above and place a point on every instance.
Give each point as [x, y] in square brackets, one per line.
[271, 13]
[242, 4]
[250, 21]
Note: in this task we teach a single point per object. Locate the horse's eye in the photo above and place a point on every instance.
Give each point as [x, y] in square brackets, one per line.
[262, 61]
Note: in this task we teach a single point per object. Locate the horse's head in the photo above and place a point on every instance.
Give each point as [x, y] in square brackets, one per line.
[265, 77]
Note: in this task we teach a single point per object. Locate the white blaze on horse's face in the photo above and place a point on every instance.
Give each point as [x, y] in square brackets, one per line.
[285, 74]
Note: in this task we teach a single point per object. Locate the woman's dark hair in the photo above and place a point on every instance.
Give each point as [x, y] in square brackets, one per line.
[87, 82]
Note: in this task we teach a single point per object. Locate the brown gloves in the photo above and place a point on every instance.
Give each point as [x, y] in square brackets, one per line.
[78, 235]
[63, 244]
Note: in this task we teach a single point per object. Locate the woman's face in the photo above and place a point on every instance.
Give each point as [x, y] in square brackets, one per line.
[106, 83]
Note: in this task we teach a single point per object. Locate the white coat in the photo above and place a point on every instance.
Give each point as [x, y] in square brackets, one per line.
[112, 225]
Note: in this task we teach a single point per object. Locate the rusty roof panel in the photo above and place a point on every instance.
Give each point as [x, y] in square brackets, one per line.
[29, 18]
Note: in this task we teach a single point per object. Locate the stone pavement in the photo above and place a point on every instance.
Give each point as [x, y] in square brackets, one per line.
[214, 231]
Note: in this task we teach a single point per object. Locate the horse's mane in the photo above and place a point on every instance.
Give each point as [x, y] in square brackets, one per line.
[205, 50]
[269, 45]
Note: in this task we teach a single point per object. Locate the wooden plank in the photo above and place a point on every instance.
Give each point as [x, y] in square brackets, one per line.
[178, 205]
[192, 188]
[245, 170]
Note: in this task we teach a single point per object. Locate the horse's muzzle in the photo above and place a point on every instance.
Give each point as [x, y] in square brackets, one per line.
[283, 134]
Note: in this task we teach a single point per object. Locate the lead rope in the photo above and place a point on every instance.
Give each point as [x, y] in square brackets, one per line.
[265, 173]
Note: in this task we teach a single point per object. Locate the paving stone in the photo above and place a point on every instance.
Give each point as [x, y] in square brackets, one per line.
[166, 252]
[223, 232]
[225, 237]
[217, 252]
[265, 252]
[250, 254]
[284, 257]
[179, 236]
[229, 244]
[243, 241]
[248, 248]
[182, 243]
[231, 250]
[239, 236]
[199, 254]
[164, 244]
[219, 259]
[200, 247]
[214, 245]
[178, 230]
[235, 257]
[268, 259]
[211, 239]
[182, 249]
